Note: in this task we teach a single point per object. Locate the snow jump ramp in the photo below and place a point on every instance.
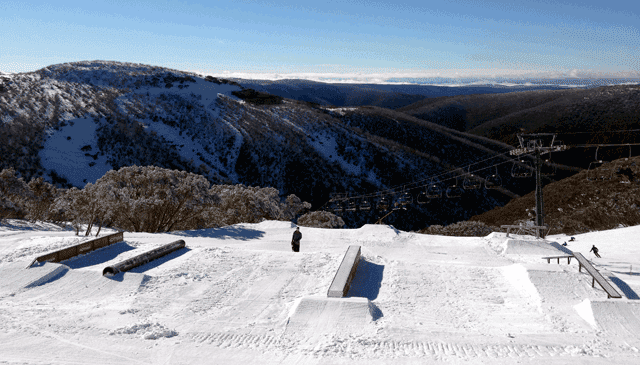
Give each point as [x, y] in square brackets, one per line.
[619, 319]
[321, 315]
[533, 247]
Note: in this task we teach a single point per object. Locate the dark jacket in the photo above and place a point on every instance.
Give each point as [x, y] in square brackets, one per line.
[297, 236]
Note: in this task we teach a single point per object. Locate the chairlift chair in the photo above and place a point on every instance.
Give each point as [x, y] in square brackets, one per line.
[598, 171]
[365, 206]
[351, 206]
[493, 181]
[434, 190]
[404, 199]
[383, 204]
[548, 168]
[337, 207]
[471, 182]
[422, 197]
[454, 191]
[521, 169]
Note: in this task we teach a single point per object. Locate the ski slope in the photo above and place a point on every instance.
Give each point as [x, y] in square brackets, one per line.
[238, 295]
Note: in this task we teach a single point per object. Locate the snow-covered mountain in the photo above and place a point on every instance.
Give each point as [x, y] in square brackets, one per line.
[73, 122]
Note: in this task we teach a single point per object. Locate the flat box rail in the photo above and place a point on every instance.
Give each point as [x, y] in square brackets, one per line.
[583, 262]
[143, 258]
[568, 257]
[347, 270]
[79, 249]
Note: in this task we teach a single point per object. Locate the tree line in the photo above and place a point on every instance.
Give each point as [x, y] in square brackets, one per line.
[150, 199]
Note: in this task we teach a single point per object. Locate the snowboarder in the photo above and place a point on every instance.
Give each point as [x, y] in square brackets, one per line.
[572, 239]
[295, 242]
[595, 250]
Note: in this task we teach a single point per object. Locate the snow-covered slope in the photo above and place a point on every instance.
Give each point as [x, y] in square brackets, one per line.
[238, 294]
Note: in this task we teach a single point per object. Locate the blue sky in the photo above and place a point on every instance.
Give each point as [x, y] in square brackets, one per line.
[402, 38]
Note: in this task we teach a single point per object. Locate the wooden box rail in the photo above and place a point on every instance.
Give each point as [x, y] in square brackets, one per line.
[347, 270]
[79, 249]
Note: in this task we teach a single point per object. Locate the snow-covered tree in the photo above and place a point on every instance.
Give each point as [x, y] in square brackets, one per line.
[41, 204]
[154, 199]
[14, 194]
[320, 219]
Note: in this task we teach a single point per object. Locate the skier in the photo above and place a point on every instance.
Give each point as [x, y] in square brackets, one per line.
[295, 242]
[595, 250]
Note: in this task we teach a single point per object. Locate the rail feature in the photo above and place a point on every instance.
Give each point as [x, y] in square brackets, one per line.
[568, 257]
[531, 230]
[347, 270]
[143, 258]
[596, 276]
[79, 249]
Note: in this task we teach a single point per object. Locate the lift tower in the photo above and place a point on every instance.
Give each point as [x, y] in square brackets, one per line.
[538, 144]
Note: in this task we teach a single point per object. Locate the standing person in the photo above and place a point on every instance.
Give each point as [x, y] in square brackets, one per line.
[595, 250]
[295, 242]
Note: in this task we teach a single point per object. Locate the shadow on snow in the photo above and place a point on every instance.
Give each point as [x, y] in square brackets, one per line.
[229, 232]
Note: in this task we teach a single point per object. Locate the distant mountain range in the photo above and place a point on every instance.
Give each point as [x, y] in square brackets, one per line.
[383, 95]
[73, 122]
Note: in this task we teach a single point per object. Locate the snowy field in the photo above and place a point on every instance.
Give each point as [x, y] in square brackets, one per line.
[238, 295]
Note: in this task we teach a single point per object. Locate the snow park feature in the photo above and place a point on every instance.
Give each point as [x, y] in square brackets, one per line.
[238, 295]
[143, 258]
[340, 285]
[80, 249]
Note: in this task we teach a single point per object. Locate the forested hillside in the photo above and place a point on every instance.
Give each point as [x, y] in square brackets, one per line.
[72, 123]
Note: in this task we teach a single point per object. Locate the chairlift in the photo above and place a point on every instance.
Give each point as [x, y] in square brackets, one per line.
[422, 197]
[434, 190]
[521, 169]
[383, 204]
[548, 168]
[337, 207]
[454, 191]
[493, 181]
[404, 199]
[598, 170]
[620, 162]
[365, 206]
[471, 182]
[351, 206]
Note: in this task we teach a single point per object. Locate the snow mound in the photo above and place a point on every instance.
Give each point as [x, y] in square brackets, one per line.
[315, 316]
[148, 331]
[533, 247]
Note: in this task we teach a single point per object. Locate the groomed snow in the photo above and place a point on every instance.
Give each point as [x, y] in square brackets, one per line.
[238, 295]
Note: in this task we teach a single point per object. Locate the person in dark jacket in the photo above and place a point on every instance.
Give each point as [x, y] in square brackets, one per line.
[295, 242]
[595, 250]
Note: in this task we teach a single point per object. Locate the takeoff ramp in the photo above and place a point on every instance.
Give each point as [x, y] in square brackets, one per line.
[533, 247]
[315, 316]
[620, 320]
